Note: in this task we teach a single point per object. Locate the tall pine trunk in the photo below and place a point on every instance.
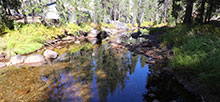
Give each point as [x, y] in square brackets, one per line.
[188, 12]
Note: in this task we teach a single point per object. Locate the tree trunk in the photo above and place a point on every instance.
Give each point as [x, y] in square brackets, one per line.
[201, 12]
[188, 12]
[209, 12]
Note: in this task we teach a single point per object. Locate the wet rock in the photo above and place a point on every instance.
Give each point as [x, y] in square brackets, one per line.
[101, 35]
[62, 58]
[136, 34]
[35, 58]
[50, 54]
[18, 59]
[155, 100]
[2, 65]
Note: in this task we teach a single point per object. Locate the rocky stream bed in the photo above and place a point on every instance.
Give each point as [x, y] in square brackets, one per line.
[124, 68]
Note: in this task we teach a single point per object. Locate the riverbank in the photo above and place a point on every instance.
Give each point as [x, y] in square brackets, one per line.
[195, 60]
[36, 38]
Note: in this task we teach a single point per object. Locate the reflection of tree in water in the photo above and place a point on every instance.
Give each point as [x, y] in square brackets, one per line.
[115, 66]
[165, 88]
[74, 83]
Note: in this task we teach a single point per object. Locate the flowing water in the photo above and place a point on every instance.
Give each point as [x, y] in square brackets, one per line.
[101, 74]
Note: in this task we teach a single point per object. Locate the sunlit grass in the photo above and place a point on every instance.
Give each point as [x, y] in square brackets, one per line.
[30, 37]
[197, 50]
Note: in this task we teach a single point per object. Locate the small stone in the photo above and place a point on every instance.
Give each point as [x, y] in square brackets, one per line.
[50, 54]
[35, 58]
[69, 38]
[155, 100]
[2, 65]
[18, 59]
[77, 42]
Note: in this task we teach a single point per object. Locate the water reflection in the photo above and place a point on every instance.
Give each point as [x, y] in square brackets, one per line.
[100, 75]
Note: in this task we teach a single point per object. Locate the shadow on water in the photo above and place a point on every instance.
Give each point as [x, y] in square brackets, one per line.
[101, 75]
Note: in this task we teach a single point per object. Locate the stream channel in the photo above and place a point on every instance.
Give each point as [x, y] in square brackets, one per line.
[101, 74]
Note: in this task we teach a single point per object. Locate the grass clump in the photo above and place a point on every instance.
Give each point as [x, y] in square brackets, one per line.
[25, 40]
[28, 38]
[196, 49]
[73, 28]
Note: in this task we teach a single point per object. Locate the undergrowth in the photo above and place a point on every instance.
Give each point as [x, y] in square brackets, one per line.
[196, 49]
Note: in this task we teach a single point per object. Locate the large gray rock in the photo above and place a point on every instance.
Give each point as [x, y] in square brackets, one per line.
[92, 40]
[35, 58]
[2, 65]
[18, 59]
[50, 54]
[92, 33]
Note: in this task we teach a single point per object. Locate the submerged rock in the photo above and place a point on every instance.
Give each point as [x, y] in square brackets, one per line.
[2, 65]
[35, 58]
[18, 59]
[62, 58]
[50, 54]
